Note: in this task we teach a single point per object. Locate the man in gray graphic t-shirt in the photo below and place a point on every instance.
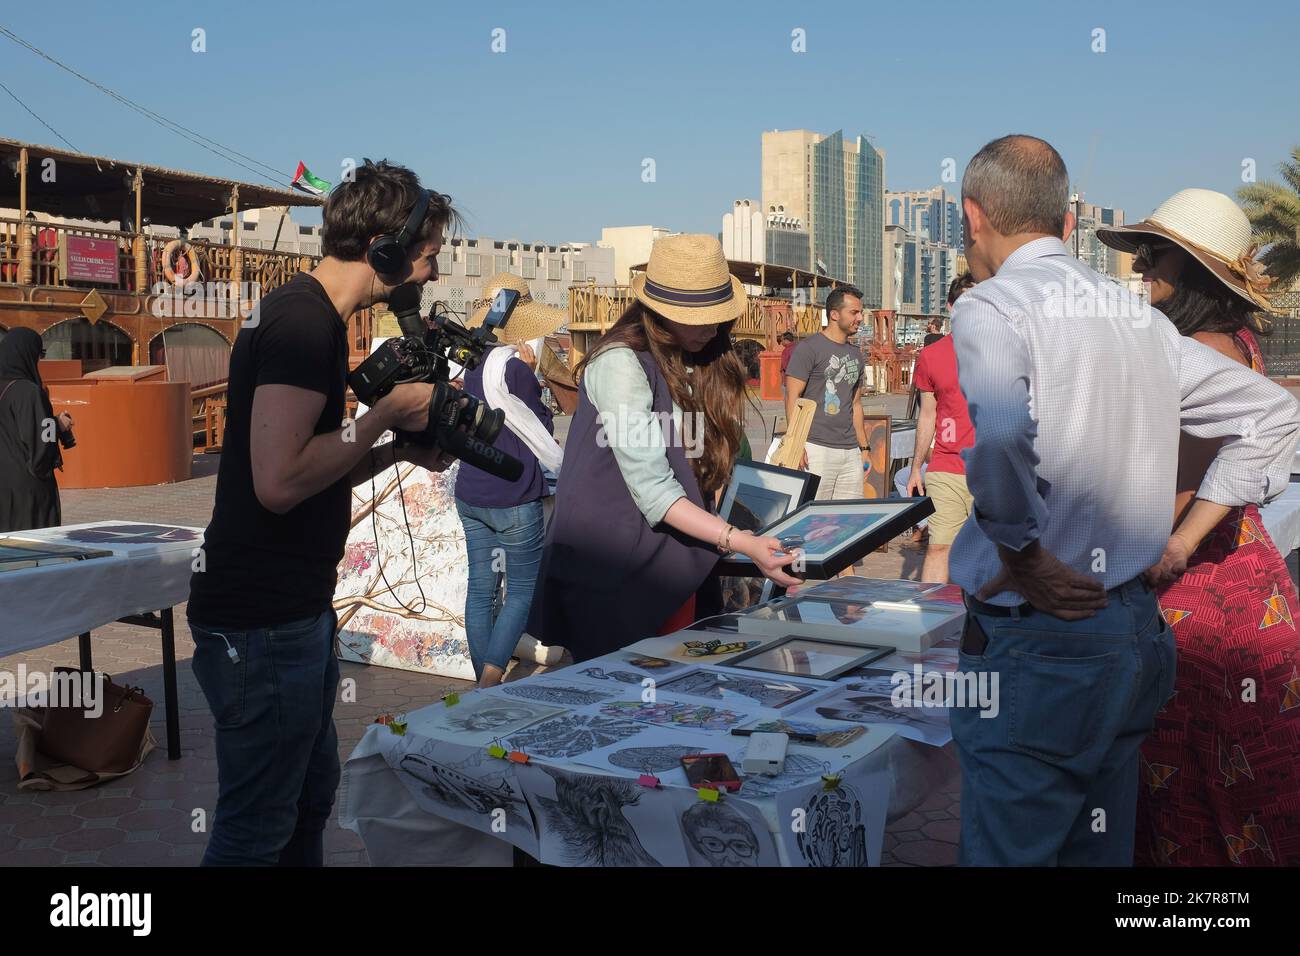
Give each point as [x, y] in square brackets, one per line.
[827, 369]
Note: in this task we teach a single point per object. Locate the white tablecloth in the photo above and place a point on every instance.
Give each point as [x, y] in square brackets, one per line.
[902, 443]
[398, 831]
[374, 804]
[1282, 519]
[149, 570]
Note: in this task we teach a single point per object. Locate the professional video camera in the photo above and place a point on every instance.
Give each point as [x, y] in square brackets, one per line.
[459, 424]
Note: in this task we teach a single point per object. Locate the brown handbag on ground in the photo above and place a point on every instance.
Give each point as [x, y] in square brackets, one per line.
[107, 743]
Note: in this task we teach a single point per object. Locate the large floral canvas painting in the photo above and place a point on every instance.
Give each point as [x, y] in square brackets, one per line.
[395, 608]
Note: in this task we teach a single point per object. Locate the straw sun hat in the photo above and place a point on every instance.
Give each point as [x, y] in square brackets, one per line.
[1210, 227]
[687, 281]
[530, 320]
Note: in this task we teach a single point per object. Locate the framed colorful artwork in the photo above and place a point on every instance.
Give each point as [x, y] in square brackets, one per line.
[834, 535]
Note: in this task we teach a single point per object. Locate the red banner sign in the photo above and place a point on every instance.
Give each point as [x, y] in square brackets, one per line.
[90, 260]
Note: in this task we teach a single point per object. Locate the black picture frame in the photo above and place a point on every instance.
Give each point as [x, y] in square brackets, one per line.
[864, 654]
[901, 514]
[795, 487]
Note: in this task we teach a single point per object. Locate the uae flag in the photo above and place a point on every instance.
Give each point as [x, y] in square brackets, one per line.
[304, 180]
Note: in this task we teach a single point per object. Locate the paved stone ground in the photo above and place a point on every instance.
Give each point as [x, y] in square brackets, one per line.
[145, 819]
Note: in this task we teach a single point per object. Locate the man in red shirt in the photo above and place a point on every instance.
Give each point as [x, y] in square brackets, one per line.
[787, 349]
[945, 421]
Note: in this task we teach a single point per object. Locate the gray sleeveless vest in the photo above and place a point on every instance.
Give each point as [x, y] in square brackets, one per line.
[609, 579]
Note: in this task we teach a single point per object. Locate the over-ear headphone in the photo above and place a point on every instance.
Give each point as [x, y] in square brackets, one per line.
[387, 254]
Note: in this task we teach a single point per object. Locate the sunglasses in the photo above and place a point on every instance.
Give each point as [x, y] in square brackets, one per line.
[1149, 252]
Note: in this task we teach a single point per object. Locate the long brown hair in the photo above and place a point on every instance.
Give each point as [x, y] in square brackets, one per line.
[715, 386]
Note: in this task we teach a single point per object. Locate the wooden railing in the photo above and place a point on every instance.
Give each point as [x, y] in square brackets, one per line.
[208, 411]
[44, 240]
[595, 308]
[261, 269]
[208, 415]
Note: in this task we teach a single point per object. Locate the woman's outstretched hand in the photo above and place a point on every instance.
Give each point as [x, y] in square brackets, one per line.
[767, 555]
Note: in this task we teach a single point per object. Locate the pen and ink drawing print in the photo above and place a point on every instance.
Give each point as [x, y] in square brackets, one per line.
[623, 677]
[465, 785]
[726, 834]
[652, 759]
[589, 821]
[667, 713]
[834, 831]
[573, 734]
[556, 693]
[456, 788]
[482, 718]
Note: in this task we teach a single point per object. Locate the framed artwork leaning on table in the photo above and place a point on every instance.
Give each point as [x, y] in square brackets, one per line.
[876, 474]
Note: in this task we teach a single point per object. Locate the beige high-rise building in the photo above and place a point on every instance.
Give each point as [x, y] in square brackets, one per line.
[787, 172]
[836, 187]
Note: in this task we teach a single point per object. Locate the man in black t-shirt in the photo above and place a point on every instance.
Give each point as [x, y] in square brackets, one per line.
[261, 601]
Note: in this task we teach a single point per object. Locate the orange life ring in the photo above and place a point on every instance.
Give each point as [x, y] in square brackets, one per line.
[187, 251]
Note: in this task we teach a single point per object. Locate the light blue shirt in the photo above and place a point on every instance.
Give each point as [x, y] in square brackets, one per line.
[1077, 391]
[617, 386]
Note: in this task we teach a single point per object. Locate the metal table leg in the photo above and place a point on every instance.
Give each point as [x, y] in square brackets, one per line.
[169, 686]
[162, 621]
[83, 642]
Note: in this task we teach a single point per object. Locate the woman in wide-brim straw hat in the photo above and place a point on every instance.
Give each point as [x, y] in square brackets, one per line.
[635, 536]
[1219, 783]
[505, 518]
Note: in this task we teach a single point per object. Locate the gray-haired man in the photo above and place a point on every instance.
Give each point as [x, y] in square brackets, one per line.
[1077, 393]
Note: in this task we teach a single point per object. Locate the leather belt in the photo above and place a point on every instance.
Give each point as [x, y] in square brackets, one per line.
[995, 610]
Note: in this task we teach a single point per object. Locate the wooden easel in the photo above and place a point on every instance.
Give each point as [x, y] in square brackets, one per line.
[789, 454]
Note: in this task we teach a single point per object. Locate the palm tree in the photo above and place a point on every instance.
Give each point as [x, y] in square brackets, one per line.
[1274, 212]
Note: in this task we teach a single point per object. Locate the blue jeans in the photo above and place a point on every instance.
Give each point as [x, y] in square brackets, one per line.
[1052, 779]
[277, 750]
[502, 543]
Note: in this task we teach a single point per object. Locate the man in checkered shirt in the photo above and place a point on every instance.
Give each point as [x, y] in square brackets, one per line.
[1078, 392]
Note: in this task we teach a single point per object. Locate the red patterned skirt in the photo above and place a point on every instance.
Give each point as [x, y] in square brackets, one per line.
[1220, 775]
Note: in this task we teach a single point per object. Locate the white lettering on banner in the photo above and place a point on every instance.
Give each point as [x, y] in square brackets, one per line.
[133, 910]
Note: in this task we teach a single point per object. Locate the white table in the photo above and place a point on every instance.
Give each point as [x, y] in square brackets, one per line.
[1282, 518]
[402, 828]
[147, 574]
[902, 443]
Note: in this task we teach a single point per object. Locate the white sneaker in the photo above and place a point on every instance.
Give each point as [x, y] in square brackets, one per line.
[530, 649]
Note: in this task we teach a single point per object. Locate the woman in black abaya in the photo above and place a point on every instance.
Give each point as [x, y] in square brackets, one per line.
[29, 451]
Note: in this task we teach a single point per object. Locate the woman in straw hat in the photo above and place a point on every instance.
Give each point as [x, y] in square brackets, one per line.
[1220, 783]
[653, 441]
[505, 517]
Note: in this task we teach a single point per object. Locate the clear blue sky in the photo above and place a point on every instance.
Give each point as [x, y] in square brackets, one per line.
[545, 141]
